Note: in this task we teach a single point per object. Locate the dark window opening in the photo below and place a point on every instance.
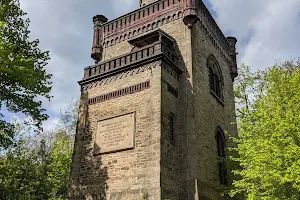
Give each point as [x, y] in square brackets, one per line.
[211, 79]
[153, 37]
[215, 77]
[222, 173]
[221, 154]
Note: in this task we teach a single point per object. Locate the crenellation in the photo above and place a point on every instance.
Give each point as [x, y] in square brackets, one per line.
[141, 28]
[209, 21]
[122, 28]
[120, 63]
[141, 13]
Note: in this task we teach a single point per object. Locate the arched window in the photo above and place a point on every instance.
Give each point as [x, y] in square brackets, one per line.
[215, 77]
[172, 127]
[221, 144]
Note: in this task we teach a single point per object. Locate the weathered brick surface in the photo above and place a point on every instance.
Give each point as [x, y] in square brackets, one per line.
[157, 168]
[126, 174]
[174, 163]
[209, 113]
[116, 50]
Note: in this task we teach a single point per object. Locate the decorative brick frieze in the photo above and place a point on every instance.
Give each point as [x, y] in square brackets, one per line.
[141, 15]
[132, 59]
[213, 41]
[142, 27]
[135, 23]
[212, 27]
[170, 70]
[116, 94]
[130, 72]
[156, 14]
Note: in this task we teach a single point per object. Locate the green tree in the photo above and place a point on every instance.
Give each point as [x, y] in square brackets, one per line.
[58, 167]
[69, 117]
[23, 77]
[268, 146]
[38, 167]
[22, 174]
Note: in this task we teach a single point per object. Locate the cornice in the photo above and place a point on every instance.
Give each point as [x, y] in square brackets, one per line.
[128, 61]
[130, 72]
[154, 15]
[141, 27]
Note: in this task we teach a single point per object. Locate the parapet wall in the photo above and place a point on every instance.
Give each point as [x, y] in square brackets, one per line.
[153, 16]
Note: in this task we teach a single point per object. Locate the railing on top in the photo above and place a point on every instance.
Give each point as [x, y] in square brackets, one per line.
[130, 58]
[213, 26]
[138, 15]
[159, 6]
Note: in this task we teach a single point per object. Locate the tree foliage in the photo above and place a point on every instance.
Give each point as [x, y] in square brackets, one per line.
[38, 166]
[23, 77]
[268, 146]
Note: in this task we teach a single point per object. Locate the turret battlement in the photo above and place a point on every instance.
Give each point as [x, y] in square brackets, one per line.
[156, 13]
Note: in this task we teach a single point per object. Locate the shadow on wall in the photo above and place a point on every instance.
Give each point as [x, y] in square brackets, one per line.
[88, 179]
[179, 185]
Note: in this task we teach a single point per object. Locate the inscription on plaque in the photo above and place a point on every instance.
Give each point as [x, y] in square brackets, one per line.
[115, 134]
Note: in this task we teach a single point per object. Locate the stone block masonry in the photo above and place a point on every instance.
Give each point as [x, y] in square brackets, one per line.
[148, 118]
[125, 173]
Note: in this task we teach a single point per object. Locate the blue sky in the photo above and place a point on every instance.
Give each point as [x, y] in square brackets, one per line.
[267, 30]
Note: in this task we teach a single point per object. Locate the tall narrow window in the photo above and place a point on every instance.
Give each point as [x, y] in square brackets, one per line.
[211, 79]
[172, 128]
[215, 77]
[221, 153]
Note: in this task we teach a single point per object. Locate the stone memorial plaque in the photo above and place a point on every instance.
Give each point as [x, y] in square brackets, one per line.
[115, 134]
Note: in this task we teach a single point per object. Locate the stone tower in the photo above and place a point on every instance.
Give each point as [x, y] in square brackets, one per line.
[155, 106]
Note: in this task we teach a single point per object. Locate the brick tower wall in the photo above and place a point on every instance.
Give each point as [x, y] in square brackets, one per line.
[174, 168]
[126, 174]
[209, 113]
[173, 157]
[157, 168]
[174, 164]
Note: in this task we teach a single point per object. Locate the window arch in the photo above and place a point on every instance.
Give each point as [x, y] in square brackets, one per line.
[215, 77]
[172, 127]
[221, 145]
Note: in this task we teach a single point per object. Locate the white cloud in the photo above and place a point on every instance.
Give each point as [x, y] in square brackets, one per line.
[50, 125]
[128, 6]
[65, 28]
[267, 30]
